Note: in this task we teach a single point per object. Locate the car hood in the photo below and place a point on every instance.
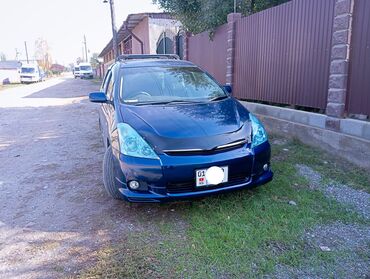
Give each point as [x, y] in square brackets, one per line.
[189, 126]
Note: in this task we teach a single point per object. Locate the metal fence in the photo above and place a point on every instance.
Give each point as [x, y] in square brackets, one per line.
[210, 54]
[282, 55]
[358, 97]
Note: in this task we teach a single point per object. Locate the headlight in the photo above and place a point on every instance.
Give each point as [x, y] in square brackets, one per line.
[132, 144]
[258, 131]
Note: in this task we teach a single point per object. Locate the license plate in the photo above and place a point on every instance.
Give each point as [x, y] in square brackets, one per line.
[200, 176]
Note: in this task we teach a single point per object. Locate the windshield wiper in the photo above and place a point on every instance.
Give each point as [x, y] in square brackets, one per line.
[218, 98]
[166, 102]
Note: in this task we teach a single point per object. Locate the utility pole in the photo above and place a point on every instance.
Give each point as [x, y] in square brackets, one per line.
[114, 29]
[85, 48]
[16, 54]
[25, 46]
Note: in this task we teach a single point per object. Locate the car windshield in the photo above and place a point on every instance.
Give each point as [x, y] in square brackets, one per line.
[85, 68]
[147, 85]
[77, 69]
[28, 70]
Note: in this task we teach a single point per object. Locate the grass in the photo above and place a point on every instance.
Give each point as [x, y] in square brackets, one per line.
[96, 80]
[243, 234]
[7, 86]
[133, 259]
[330, 167]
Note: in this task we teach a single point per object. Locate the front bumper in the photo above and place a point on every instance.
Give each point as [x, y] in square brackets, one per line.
[86, 75]
[29, 79]
[133, 196]
[173, 177]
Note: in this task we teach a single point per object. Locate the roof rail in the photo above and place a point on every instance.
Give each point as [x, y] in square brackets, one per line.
[147, 56]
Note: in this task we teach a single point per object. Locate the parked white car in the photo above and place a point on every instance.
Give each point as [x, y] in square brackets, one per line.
[76, 72]
[31, 73]
[86, 70]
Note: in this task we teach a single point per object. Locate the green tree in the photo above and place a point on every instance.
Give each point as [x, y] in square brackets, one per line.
[205, 15]
[94, 60]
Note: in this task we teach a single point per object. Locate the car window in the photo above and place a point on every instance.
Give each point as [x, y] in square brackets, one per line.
[85, 68]
[28, 70]
[155, 84]
[105, 81]
[109, 88]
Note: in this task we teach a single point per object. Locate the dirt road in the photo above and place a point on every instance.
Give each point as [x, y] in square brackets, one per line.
[54, 213]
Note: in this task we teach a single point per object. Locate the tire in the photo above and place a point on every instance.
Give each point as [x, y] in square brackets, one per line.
[108, 175]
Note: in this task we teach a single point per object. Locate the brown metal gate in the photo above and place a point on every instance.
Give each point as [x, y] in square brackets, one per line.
[282, 54]
[358, 97]
[210, 54]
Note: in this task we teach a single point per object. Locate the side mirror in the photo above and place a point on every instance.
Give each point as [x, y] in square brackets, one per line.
[228, 88]
[98, 97]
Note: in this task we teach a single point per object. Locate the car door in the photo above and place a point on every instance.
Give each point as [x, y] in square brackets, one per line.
[103, 121]
[108, 109]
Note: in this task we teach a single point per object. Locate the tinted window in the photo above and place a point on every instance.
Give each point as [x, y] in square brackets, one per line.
[28, 70]
[85, 68]
[109, 88]
[151, 84]
[105, 81]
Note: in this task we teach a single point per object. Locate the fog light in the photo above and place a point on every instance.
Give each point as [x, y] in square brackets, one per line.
[134, 185]
[266, 167]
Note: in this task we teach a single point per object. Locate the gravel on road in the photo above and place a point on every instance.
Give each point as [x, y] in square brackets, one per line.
[358, 201]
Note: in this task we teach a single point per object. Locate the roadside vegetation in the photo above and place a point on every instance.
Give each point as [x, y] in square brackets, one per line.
[11, 85]
[196, 17]
[288, 228]
[97, 80]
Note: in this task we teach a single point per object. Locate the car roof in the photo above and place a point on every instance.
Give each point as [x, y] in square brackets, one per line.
[155, 63]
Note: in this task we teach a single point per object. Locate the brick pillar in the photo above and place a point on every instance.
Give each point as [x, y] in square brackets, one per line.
[186, 44]
[230, 55]
[338, 77]
[174, 39]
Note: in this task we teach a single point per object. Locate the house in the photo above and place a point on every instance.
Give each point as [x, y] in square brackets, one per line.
[57, 69]
[10, 71]
[144, 33]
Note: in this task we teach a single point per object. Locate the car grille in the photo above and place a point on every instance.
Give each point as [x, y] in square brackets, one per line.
[189, 186]
[219, 149]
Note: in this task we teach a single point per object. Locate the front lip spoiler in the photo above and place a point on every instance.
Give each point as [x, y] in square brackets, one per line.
[151, 197]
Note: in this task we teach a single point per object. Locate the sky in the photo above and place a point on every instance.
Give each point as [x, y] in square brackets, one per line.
[63, 24]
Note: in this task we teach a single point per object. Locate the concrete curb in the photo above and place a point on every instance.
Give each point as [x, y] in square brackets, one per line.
[309, 129]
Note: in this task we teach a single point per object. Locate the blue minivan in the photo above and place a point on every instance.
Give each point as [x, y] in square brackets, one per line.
[171, 132]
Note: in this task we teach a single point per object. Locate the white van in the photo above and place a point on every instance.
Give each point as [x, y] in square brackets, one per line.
[86, 70]
[30, 72]
[76, 72]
